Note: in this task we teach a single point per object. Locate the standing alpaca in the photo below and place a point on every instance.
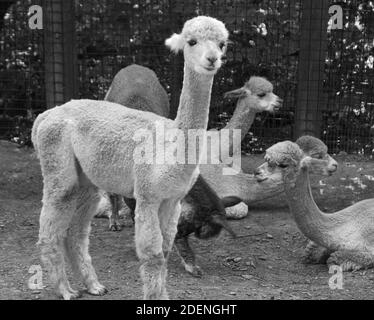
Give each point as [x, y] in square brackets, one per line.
[135, 87]
[87, 145]
[346, 235]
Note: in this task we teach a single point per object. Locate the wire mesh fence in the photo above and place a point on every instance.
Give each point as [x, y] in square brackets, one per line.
[22, 87]
[104, 36]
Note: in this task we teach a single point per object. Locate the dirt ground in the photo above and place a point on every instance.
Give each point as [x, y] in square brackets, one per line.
[265, 263]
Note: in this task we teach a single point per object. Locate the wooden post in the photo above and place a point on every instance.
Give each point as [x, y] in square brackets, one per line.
[313, 46]
[60, 52]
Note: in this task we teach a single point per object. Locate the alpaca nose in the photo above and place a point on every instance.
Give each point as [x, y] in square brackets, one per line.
[212, 59]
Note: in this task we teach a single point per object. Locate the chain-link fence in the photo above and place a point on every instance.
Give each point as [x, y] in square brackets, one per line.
[267, 40]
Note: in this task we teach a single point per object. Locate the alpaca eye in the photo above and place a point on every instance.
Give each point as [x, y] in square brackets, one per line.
[261, 95]
[283, 166]
[192, 42]
[318, 156]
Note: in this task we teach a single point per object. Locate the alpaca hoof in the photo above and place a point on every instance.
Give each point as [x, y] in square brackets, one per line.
[71, 295]
[116, 226]
[97, 290]
[156, 296]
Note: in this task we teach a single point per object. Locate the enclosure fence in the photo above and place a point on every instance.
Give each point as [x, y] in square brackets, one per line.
[323, 74]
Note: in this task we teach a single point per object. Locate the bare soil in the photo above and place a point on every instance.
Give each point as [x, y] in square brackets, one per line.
[264, 263]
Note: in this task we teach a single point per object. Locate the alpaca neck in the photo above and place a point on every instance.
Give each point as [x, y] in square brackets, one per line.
[193, 110]
[316, 225]
[242, 119]
[242, 185]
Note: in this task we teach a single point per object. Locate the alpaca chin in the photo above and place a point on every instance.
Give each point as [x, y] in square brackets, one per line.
[202, 70]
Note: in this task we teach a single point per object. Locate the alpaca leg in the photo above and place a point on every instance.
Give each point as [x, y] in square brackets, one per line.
[315, 254]
[169, 216]
[114, 221]
[148, 241]
[77, 241]
[187, 256]
[54, 221]
[351, 260]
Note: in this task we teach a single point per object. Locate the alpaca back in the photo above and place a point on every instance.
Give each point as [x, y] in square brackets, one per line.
[138, 88]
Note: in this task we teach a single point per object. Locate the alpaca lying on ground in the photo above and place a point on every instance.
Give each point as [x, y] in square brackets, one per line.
[86, 145]
[310, 146]
[345, 235]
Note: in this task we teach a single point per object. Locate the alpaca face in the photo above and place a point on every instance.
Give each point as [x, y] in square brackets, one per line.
[283, 161]
[203, 41]
[276, 172]
[204, 56]
[257, 94]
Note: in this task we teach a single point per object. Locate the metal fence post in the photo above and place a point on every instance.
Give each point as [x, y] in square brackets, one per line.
[60, 52]
[313, 46]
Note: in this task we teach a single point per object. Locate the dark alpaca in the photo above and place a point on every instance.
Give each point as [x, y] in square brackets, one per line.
[205, 219]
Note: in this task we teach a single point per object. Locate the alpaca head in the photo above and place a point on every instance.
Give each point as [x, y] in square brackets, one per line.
[285, 160]
[316, 149]
[282, 163]
[257, 94]
[203, 41]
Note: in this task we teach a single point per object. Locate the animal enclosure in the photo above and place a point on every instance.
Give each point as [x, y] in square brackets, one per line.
[325, 75]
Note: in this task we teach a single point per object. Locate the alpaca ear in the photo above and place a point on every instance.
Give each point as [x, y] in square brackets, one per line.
[237, 94]
[175, 43]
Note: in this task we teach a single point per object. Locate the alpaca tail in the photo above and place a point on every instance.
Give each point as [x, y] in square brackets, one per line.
[34, 131]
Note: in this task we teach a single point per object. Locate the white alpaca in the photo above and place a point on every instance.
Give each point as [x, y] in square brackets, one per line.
[343, 238]
[88, 145]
